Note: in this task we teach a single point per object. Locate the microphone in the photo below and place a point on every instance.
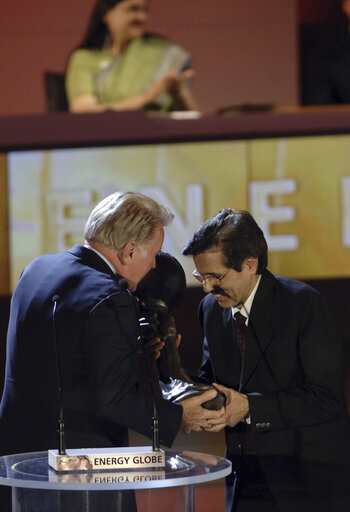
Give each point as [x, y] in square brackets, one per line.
[60, 430]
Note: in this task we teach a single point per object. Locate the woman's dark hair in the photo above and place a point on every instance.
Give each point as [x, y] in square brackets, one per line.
[238, 235]
[97, 29]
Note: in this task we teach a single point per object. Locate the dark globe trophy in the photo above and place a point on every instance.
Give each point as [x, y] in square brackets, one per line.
[159, 293]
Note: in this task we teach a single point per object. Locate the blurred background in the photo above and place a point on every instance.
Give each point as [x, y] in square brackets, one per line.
[250, 51]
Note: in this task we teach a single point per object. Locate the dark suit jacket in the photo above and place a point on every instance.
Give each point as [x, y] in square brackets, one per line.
[292, 370]
[97, 329]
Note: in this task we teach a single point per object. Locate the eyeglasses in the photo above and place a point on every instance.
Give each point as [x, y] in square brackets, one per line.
[212, 277]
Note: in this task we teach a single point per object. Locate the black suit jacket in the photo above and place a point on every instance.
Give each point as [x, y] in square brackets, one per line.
[292, 371]
[97, 330]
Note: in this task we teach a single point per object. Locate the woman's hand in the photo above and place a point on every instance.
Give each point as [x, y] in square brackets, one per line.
[175, 80]
[172, 83]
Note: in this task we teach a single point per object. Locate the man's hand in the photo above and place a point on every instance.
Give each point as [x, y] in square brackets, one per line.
[154, 347]
[195, 417]
[236, 408]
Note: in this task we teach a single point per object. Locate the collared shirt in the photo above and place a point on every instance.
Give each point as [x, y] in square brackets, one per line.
[101, 256]
[247, 306]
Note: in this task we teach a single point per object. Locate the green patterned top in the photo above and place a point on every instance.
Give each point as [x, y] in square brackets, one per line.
[112, 79]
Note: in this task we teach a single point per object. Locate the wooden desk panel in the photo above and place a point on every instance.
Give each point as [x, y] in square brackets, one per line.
[64, 130]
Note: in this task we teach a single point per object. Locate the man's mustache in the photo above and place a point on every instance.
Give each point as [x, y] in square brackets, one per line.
[218, 291]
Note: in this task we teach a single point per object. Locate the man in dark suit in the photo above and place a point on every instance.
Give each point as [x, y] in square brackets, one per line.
[270, 347]
[83, 299]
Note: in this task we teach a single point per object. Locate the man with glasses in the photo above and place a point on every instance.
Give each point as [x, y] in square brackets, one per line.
[270, 347]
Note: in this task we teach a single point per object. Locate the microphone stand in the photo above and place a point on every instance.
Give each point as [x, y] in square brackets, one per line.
[155, 420]
[155, 427]
[60, 430]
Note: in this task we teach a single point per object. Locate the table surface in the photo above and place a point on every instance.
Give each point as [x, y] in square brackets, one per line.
[31, 470]
[64, 130]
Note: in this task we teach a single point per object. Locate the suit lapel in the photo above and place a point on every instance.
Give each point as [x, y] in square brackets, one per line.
[260, 332]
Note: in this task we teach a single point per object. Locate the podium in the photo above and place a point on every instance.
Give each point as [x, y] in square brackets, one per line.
[36, 486]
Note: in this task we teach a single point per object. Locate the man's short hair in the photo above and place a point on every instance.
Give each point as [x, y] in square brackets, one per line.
[124, 217]
[236, 233]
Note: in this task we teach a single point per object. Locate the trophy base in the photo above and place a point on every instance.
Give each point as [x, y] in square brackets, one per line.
[177, 390]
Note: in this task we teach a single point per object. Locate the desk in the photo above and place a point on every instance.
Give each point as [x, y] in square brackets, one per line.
[64, 130]
[30, 471]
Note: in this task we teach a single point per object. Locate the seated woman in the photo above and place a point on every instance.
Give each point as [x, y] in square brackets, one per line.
[119, 67]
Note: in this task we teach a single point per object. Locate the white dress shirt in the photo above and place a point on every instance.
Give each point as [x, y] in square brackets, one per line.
[101, 256]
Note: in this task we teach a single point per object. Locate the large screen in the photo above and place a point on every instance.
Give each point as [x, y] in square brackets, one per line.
[298, 190]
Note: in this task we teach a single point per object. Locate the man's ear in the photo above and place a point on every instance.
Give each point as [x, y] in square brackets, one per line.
[252, 264]
[127, 253]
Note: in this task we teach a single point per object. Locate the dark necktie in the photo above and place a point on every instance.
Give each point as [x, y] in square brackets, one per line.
[241, 331]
